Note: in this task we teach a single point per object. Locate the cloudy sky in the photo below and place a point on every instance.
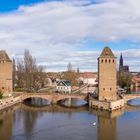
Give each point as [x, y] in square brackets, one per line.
[60, 31]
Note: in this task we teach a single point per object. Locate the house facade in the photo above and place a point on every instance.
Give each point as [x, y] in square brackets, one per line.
[88, 78]
[63, 86]
[135, 84]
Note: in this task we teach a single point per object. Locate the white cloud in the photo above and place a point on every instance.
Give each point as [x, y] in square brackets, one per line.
[54, 31]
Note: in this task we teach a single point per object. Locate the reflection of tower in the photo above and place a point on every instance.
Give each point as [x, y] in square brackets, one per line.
[106, 128]
[6, 125]
[107, 123]
[107, 75]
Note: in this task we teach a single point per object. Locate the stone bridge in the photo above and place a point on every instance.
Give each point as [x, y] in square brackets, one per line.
[128, 97]
[53, 97]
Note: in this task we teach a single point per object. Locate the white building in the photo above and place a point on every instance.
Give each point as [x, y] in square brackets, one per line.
[88, 78]
[63, 86]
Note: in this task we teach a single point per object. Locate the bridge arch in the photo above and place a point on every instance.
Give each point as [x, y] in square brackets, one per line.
[23, 98]
[53, 97]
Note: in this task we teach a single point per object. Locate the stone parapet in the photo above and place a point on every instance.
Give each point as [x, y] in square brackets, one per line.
[8, 102]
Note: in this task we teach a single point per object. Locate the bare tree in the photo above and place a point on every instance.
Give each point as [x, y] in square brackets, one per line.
[30, 76]
[20, 74]
[14, 73]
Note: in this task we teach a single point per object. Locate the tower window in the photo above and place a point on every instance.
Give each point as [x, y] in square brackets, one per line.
[109, 60]
[110, 89]
[113, 61]
[102, 61]
[103, 89]
[106, 60]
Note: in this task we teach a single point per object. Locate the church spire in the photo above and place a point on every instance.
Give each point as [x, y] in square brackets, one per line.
[121, 62]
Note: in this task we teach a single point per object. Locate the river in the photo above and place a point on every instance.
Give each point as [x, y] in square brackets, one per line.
[54, 122]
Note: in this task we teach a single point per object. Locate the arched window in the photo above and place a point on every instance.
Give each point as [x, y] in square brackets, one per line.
[109, 60]
[106, 61]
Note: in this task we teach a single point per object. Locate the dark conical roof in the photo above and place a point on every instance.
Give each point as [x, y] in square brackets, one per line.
[4, 56]
[107, 53]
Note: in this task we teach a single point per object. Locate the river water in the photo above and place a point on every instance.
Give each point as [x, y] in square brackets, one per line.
[54, 122]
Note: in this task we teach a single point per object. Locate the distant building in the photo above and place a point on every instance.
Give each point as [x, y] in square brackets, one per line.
[123, 68]
[6, 80]
[135, 85]
[88, 78]
[63, 86]
[107, 75]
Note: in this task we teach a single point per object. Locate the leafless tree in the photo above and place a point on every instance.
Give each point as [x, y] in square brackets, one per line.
[14, 73]
[30, 75]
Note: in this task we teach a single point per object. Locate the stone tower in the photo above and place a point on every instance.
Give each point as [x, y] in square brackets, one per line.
[6, 85]
[107, 74]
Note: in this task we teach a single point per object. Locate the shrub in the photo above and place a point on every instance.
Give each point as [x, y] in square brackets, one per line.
[1, 95]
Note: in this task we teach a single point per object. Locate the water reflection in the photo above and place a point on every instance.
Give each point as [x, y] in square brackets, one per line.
[134, 102]
[36, 102]
[6, 120]
[106, 128]
[71, 102]
[107, 124]
[52, 122]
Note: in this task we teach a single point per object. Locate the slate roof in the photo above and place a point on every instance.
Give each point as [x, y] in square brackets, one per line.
[64, 82]
[107, 53]
[4, 56]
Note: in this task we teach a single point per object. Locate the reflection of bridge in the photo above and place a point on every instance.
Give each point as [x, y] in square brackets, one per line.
[53, 97]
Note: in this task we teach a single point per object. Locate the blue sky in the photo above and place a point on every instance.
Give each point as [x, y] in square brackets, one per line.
[58, 32]
[10, 5]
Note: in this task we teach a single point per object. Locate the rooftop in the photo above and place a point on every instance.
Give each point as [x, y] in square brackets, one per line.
[88, 75]
[4, 56]
[107, 53]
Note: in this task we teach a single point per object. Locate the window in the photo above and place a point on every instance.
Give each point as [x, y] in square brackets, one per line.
[109, 60]
[103, 89]
[106, 60]
[102, 61]
[113, 61]
[110, 89]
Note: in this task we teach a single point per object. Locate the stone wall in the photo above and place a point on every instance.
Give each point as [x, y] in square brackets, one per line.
[6, 84]
[8, 102]
[106, 105]
[107, 79]
[117, 104]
